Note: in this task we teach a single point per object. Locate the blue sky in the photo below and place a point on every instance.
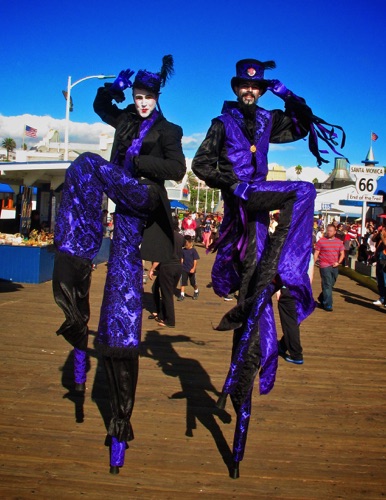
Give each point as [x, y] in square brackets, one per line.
[331, 53]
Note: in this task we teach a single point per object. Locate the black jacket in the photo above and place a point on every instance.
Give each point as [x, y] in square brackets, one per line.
[161, 158]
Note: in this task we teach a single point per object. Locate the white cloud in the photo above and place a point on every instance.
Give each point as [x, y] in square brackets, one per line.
[193, 141]
[87, 133]
[281, 147]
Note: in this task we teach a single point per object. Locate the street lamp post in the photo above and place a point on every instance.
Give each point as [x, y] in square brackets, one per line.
[68, 101]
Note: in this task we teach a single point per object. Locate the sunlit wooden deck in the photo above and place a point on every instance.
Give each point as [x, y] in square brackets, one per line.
[320, 434]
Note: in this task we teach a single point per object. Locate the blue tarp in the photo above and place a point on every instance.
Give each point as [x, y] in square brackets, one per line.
[4, 188]
[177, 204]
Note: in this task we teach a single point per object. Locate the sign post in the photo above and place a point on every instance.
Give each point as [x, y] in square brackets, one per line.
[366, 185]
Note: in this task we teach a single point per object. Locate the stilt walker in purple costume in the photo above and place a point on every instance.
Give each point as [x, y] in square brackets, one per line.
[233, 158]
[146, 151]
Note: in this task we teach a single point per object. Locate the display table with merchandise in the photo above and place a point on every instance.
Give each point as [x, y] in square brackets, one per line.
[34, 264]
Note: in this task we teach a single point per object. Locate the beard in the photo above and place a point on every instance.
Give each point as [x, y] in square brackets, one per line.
[248, 110]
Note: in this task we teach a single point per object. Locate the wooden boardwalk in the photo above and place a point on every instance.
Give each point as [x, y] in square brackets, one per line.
[320, 434]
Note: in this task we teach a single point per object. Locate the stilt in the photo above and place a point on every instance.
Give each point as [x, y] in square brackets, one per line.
[234, 471]
[221, 402]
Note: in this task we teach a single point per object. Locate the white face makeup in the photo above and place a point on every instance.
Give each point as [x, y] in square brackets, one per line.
[248, 94]
[145, 102]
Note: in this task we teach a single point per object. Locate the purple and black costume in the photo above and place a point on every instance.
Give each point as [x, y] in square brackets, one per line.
[145, 153]
[233, 157]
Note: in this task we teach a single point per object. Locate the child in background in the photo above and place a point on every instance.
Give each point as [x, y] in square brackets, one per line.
[189, 265]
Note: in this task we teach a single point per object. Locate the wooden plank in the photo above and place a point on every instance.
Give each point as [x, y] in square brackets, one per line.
[319, 434]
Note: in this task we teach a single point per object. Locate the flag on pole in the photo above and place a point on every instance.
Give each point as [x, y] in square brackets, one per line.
[374, 136]
[30, 132]
[71, 107]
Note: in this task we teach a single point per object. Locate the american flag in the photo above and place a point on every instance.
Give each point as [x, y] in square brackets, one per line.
[374, 136]
[31, 132]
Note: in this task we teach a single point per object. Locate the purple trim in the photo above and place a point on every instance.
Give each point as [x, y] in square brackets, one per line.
[243, 242]
[80, 362]
[136, 144]
[263, 313]
[117, 452]
[241, 430]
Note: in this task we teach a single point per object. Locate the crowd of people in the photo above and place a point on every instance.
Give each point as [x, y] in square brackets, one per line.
[333, 245]
[347, 240]
[203, 228]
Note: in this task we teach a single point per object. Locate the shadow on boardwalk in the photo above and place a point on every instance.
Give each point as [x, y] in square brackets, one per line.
[196, 386]
[99, 392]
[358, 300]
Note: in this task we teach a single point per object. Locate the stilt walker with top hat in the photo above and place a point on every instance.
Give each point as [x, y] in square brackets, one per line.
[233, 158]
[146, 151]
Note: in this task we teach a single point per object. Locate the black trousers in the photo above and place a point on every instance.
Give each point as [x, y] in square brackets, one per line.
[71, 280]
[122, 377]
[289, 325]
[169, 274]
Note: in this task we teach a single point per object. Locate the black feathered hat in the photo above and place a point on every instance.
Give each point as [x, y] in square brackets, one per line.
[251, 71]
[154, 81]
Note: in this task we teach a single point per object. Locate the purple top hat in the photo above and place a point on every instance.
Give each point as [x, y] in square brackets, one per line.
[251, 71]
[154, 81]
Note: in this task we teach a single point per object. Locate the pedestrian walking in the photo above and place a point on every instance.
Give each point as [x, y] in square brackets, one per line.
[329, 251]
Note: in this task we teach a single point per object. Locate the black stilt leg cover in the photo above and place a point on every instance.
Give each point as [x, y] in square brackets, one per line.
[122, 376]
[71, 282]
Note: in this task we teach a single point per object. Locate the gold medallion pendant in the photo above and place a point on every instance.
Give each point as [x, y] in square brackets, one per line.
[252, 149]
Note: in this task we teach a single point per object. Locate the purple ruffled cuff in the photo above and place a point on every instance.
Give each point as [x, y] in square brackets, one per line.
[242, 190]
